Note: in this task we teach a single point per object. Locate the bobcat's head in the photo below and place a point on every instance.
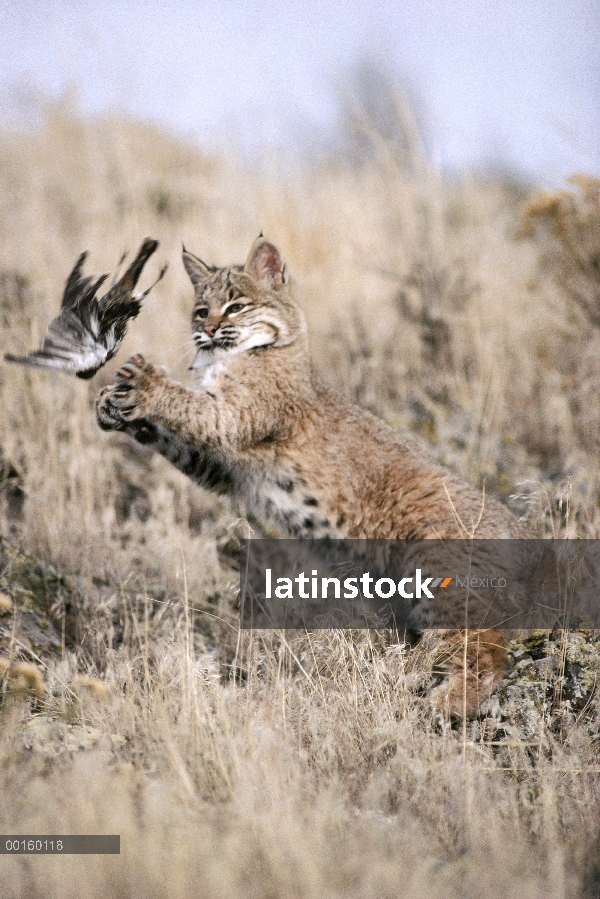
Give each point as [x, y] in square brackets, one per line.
[241, 308]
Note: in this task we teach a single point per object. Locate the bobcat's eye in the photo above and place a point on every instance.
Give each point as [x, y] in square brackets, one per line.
[235, 307]
[202, 312]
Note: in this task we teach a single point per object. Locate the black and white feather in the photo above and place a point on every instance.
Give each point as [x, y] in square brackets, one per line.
[89, 330]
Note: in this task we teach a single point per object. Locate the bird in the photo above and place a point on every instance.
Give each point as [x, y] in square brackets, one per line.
[89, 330]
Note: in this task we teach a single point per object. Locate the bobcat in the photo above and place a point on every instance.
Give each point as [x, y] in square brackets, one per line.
[261, 426]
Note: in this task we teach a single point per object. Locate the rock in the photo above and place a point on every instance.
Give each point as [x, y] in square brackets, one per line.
[551, 680]
[49, 736]
[34, 597]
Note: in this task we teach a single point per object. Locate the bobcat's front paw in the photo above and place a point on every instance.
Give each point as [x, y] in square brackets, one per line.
[123, 405]
[110, 419]
[130, 394]
[107, 415]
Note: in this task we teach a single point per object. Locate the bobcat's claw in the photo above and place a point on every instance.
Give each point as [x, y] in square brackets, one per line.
[124, 400]
[107, 415]
[128, 370]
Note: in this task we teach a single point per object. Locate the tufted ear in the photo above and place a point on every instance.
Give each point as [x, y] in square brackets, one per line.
[196, 269]
[265, 265]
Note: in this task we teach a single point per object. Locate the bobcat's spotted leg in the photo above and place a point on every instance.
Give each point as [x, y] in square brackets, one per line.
[118, 405]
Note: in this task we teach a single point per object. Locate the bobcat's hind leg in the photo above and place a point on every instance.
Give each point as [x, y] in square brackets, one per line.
[466, 686]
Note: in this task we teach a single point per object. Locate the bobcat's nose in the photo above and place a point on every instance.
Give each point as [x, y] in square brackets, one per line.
[210, 330]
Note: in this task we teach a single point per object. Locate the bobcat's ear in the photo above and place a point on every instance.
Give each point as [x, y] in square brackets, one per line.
[265, 264]
[196, 269]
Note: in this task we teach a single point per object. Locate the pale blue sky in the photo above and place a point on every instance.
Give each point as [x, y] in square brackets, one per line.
[514, 82]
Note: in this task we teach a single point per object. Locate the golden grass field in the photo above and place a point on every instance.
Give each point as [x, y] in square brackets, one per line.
[257, 765]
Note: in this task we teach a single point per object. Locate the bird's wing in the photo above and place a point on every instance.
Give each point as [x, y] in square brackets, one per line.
[79, 290]
[89, 330]
[119, 297]
[69, 346]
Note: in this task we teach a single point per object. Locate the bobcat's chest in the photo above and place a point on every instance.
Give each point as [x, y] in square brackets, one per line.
[286, 503]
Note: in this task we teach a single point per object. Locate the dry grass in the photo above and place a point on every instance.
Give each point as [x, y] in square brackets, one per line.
[318, 771]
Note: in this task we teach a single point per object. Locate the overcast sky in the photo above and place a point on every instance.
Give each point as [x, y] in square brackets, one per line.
[509, 82]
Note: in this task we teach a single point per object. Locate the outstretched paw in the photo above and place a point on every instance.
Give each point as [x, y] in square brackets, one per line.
[126, 400]
[107, 415]
[131, 387]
